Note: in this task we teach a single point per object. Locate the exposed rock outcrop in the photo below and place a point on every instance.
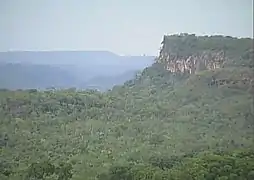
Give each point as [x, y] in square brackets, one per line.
[196, 62]
[179, 59]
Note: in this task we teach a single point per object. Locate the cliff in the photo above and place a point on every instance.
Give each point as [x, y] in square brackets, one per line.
[188, 53]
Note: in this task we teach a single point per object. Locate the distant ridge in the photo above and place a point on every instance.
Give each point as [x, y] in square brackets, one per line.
[62, 57]
[79, 68]
[69, 50]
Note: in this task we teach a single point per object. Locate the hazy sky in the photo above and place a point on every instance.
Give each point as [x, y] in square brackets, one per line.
[121, 26]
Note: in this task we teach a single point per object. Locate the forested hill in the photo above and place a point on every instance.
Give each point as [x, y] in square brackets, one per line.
[160, 125]
[190, 53]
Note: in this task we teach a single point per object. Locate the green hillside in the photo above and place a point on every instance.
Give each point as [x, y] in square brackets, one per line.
[157, 126]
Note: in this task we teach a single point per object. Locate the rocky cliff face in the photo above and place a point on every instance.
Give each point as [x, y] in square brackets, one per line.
[194, 63]
[181, 54]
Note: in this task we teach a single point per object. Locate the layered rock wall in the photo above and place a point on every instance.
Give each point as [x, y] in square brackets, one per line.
[192, 61]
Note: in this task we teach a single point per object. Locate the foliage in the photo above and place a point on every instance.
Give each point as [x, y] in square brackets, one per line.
[239, 51]
[156, 126]
[208, 166]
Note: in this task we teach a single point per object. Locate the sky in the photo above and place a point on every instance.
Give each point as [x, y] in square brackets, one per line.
[126, 27]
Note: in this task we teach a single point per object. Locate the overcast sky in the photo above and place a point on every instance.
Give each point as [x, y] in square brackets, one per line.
[122, 26]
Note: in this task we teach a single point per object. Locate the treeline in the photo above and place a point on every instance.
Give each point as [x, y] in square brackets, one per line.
[157, 126]
[238, 51]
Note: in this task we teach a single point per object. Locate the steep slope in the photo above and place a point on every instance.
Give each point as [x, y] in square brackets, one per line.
[160, 125]
[187, 53]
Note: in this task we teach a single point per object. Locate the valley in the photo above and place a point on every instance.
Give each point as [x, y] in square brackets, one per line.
[165, 123]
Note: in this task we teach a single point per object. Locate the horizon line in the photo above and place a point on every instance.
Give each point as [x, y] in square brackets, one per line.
[71, 50]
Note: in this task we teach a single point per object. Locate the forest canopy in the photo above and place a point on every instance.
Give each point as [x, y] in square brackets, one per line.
[156, 126]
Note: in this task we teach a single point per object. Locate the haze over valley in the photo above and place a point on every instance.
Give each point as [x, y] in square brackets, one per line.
[68, 69]
[73, 108]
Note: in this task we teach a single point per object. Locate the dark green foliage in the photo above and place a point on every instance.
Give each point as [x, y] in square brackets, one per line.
[164, 162]
[45, 169]
[239, 51]
[208, 166]
[156, 126]
[40, 170]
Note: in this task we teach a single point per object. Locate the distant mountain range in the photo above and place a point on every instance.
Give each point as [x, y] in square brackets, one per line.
[65, 69]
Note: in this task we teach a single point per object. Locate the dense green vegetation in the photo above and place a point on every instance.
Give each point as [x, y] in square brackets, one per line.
[238, 51]
[154, 127]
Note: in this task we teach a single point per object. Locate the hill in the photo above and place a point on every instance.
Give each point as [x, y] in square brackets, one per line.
[159, 125]
[79, 66]
[190, 54]
[35, 76]
[29, 76]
